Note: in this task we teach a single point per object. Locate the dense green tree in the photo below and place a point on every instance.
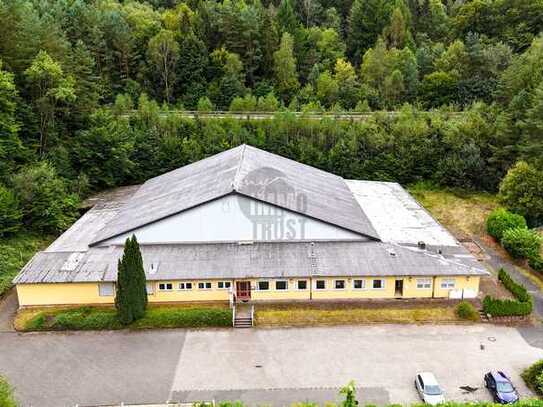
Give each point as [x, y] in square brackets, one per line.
[130, 293]
[163, 51]
[521, 191]
[11, 147]
[286, 17]
[367, 19]
[49, 87]
[46, 202]
[286, 78]
[192, 70]
[10, 212]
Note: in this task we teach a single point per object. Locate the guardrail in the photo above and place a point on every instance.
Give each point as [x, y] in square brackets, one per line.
[259, 115]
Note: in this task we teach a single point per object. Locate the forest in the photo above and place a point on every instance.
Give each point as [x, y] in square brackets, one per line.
[89, 90]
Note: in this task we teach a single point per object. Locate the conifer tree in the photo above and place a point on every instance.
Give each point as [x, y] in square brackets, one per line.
[131, 295]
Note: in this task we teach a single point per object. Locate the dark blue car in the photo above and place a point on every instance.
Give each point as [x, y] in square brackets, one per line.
[501, 388]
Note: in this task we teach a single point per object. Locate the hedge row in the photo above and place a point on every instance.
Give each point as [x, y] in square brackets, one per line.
[511, 230]
[533, 376]
[522, 305]
[89, 318]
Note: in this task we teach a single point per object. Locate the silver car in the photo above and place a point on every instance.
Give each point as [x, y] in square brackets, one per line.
[429, 390]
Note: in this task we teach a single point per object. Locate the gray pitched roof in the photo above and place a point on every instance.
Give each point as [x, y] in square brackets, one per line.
[258, 260]
[248, 171]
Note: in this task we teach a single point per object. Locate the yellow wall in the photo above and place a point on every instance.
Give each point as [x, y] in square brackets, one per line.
[88, 293]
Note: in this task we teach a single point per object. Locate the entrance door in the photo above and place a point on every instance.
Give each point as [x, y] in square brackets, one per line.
[243, 290]
[398, 288]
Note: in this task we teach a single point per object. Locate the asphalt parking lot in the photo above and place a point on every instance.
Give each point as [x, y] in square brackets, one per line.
[271, 366]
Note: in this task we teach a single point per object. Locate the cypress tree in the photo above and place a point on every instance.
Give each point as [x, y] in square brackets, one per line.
[131, 295]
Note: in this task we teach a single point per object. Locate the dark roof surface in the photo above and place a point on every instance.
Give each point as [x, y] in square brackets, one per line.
[248, 171]
[257, 260]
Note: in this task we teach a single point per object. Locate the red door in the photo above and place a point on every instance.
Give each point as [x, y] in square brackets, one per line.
[243, 290]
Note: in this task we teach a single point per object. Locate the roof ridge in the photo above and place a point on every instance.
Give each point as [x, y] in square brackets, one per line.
[235, 184]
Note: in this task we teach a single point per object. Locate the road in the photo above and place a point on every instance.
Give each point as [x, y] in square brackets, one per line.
[265, 366]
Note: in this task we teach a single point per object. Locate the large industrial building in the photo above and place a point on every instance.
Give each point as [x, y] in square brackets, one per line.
[248, 225]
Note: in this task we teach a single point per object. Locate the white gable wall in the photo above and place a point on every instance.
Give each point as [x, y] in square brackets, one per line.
[235, 218]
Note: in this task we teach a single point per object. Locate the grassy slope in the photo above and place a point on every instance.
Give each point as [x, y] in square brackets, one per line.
[462, 212]
[15, 252]
[6, 394]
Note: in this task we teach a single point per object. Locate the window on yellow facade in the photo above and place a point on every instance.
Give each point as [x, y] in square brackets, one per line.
[263, 285]
[281, 285]
[359, 284]
[150, 288]
[424, 283]
[320, 284]
[223, 285]
[184, 286]
[301, 284]
[165, 286]
[448, 283]
[106, 289]
[339, 284]
[205, 285]
[378, 284]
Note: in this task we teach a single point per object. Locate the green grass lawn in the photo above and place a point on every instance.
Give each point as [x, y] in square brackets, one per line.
[100, 318]
[15, 252]
[6, 394]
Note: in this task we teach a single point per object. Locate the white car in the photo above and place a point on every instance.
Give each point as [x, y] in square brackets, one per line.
[429, 390]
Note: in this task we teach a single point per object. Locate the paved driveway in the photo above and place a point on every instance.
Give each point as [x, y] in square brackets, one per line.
[275, 366]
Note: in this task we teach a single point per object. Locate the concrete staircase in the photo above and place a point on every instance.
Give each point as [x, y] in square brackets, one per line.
[243, 317]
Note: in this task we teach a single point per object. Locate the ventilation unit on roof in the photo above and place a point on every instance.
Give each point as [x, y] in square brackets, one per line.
[71, 263]
[391, 252]
[153, 268]
[422, 245]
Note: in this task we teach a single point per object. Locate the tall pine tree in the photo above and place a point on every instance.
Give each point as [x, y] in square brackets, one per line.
[131, 295]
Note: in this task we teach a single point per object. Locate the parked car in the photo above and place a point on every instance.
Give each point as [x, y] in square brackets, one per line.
[429, 390]
[501, 388]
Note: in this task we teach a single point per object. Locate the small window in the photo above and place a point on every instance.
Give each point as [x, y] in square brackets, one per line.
[320, 284]
[165, 286]
[223, 285]
[301, 284]
[378, 284]
[424, 283]
[339, 284]
[185, 286]
[281, 285]
[448, 283]
[206, 285]
[105, 289]
[359, 284]
[263, 285]
[150, 288]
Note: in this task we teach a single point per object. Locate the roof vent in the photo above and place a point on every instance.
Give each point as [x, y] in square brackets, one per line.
[391, 252]
[71, 263]
[422, 245]
[153, 269]
[245, 242]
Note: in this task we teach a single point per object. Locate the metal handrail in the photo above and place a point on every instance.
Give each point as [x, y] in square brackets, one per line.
[234, 315]
[252, 315]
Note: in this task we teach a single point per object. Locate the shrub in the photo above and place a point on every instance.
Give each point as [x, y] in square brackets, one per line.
[522, 305]
[89, 318]
[533, 376]
[10, 212]
[536, 262]
[6, 394]
[466, 310]
[521, 243]
[501, 220]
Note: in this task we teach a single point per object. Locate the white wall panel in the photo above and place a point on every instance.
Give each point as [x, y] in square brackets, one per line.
[236, 218]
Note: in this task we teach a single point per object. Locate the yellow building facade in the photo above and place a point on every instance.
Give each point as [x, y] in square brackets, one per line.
[329, 288]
